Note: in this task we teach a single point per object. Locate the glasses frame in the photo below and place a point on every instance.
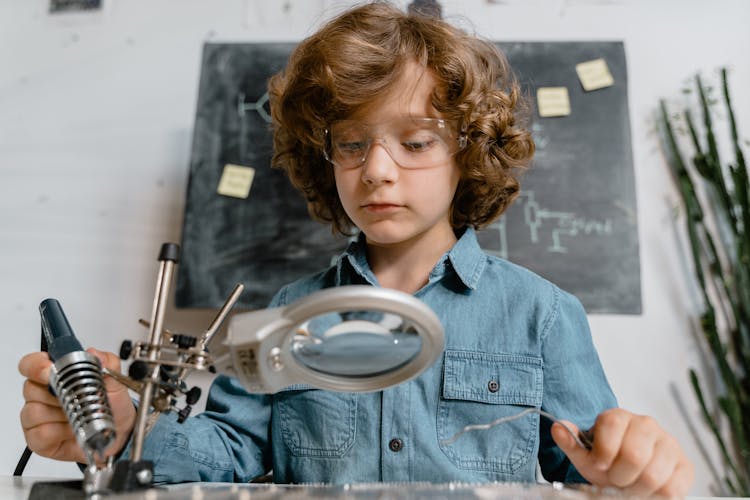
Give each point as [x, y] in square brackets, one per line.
[460, 138]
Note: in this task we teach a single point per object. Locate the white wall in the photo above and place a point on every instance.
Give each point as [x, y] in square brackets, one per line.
[96, 112]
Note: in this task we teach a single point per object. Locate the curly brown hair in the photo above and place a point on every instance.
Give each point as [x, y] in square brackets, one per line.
[354, 59]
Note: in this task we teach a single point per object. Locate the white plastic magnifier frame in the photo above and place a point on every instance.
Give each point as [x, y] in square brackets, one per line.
[260, 342]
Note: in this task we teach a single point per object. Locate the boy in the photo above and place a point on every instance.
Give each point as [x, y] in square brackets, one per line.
[405, 128]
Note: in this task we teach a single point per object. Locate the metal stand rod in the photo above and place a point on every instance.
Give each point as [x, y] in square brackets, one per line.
[221, 316]
[166, 269]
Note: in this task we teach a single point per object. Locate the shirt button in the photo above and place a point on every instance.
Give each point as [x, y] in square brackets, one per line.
[493, 386]
[395, 445]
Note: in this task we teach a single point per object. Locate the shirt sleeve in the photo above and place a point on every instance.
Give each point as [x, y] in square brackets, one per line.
[575, 387]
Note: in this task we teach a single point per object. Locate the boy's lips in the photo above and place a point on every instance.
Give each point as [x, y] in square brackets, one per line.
[381, 207]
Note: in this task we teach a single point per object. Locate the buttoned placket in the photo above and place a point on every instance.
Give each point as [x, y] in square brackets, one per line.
[396, 450]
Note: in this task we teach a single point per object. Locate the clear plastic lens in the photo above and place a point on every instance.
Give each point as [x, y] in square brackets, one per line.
[356, 343]
[411, 142]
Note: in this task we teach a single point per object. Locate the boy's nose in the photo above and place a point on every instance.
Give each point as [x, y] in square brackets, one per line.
[379, 166]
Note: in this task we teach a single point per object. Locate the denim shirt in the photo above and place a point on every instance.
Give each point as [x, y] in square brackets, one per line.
[513, 341]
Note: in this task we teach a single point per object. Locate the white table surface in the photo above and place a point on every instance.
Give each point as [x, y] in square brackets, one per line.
[18, 488]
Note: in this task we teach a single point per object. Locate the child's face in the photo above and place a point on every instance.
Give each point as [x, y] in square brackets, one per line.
[398, 200]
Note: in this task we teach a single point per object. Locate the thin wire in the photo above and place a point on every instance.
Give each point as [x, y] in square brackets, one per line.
[583, 439]
[22, 462]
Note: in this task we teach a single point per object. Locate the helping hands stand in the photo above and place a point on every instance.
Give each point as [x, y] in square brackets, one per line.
[157, 373]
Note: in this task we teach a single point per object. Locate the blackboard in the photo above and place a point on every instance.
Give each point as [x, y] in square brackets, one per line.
[575, 222]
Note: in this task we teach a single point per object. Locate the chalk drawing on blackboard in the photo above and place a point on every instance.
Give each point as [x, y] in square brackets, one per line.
[540, 138]
[554, 225]
[574, 222]
[259, 106]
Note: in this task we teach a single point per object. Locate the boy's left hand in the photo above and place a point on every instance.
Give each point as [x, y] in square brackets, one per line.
[631, 452]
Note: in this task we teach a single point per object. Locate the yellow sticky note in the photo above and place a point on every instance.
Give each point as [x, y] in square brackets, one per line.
[236, 181]
[553, 101]
[594, 74]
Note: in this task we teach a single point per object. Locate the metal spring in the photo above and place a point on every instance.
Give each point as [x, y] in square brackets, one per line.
[79, 384]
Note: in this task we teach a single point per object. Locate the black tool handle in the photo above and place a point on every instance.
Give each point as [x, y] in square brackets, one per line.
[170, 251]
[57, 331]
[587, 438]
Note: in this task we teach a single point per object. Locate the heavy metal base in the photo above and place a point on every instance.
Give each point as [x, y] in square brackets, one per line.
[63, 490]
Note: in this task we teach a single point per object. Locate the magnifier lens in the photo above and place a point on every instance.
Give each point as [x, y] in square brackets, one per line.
[356, 343]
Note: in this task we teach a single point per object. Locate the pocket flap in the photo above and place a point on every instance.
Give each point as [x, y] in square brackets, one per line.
[493, 378]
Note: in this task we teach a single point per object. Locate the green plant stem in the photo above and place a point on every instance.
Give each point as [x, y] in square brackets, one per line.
[741, 487]
[694, 222]
[741, 272]
[742, 197]
[736, 286]
[711, 159]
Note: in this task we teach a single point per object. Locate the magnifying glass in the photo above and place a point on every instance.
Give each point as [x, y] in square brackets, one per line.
[354, 338]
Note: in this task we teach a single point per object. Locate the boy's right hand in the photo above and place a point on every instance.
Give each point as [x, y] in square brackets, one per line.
[45, 426]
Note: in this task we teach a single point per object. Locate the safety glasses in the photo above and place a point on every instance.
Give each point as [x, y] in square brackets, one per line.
[411, 142]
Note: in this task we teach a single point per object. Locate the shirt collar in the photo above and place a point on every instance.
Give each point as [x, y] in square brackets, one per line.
[354, 262]
[466, 258]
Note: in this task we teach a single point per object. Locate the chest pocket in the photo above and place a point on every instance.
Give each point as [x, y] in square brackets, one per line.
[479, 388]
[316, 423]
